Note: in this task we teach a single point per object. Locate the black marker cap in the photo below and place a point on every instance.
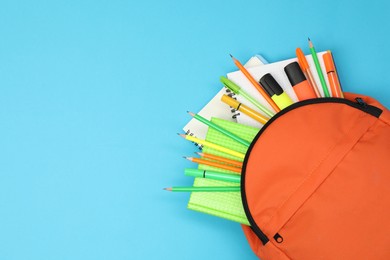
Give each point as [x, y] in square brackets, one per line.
[294, 73]
[270, 85]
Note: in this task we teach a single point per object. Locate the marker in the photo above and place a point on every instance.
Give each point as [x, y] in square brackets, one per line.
[319, 70]
[238, 90]
[298, 81]
[275, 91]
[213, 175]
[204, 189]
[244, 109]
[306, 70]
[332, 75]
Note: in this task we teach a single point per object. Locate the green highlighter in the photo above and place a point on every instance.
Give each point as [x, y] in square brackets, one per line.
[237, 90]
[213, 175]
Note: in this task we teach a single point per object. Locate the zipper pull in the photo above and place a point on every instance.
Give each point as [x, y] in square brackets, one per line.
[278, 238]
[361, 102]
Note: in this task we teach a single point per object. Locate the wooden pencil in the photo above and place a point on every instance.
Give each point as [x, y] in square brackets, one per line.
[220, 159]
[214, 164]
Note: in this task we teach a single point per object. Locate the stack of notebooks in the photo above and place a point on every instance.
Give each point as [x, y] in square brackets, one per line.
[228, 205]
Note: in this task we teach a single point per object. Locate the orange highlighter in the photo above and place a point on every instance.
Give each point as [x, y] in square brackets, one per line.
[300, 84]
[332, 75]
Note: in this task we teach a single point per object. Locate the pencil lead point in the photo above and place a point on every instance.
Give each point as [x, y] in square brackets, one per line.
[231, 55]
[198, 153]
[185, 157]
[191, 114]
[182, 135]
[168, 189]
[310, 43]
[308, 39]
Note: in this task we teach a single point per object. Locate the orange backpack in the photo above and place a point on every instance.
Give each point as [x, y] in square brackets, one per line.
[316, 182]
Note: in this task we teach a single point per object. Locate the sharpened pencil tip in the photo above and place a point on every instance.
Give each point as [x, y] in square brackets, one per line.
[168, 189]
[191, 114]
[182, 135]
[185, 157]
[198, 153]
[310, 43]
[231, 55]
[308, 39]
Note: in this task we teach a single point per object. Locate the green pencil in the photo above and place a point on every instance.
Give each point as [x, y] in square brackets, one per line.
[220, 129]
[213, 175]
[204, 189]
[319, 70]
[238, 90]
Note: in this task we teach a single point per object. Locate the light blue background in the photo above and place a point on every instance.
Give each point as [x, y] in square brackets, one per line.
[92, 94]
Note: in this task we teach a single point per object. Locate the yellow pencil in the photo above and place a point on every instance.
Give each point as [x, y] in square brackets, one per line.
[213, 146]
[244, 109]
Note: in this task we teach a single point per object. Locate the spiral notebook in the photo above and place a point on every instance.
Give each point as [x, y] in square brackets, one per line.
[222, 204]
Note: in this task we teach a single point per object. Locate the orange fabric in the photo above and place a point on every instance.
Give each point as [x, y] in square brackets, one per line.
[304, 91]
[319, 176]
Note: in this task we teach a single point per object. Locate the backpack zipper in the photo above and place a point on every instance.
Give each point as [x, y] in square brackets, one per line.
[359, 104]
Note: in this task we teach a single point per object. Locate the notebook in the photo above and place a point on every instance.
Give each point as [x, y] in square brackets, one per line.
[222, 204]
[277, 71]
